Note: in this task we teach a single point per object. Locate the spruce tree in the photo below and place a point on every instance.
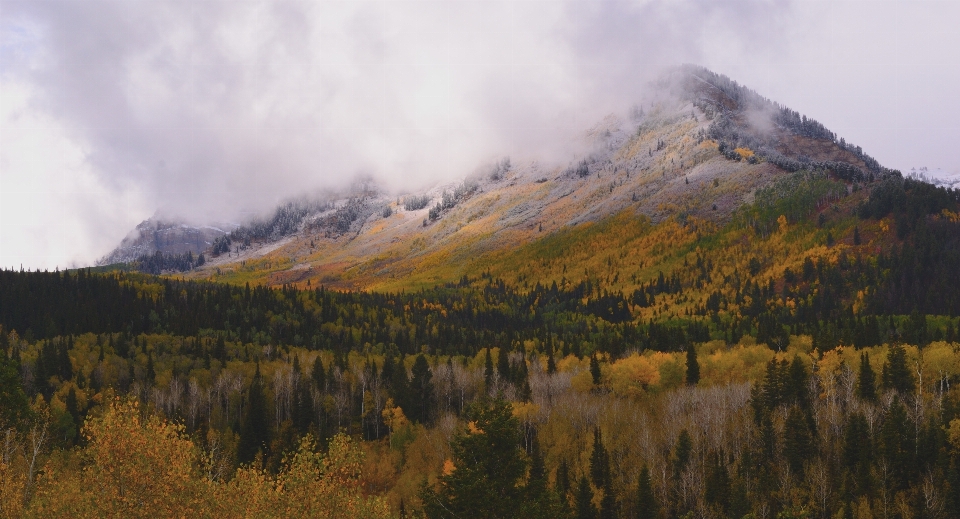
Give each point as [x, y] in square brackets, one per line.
[647, 506]
[897, 375]
[681, 453]
[14, 404]
[867, 380]
[421, 390]
[797, 441]
[693, 366]
[254, 431]
[488, 370]
[595, 369]
[503, 365]
[599, 461]
[717, 483]
[487, 467]
[584, 500]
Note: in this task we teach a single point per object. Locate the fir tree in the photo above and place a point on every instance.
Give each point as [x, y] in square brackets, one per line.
[693, 366]
[254, 431]
[595, 369]
[797, 441]
[421, 390]
[487, 467]
[896, 374]
[599, 461]
[647, 506]
[584, 500]
[488, 370]
[867, 380]
[681, 453]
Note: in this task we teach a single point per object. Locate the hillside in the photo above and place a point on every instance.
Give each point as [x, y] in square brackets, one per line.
[699, 146]
[719, 309]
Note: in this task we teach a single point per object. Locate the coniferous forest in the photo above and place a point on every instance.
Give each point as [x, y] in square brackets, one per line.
[797, 361]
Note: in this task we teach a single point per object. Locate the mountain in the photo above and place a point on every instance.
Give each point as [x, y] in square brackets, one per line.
[166, 236]
[718, 308]
[698, 147]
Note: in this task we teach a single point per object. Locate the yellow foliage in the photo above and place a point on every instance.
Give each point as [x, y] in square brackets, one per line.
[525, 411]
[782, 221]
[738, 364]
[950, 216]
[448, 467]
[12, 483]
[582, 382]
[745, 153]
[147, 467]
[472, 427]
[954, 433]
[635, 374]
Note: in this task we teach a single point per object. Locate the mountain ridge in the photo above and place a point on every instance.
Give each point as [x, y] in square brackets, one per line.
[699, 147]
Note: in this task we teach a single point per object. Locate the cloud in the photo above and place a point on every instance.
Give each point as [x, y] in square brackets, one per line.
[205, 109]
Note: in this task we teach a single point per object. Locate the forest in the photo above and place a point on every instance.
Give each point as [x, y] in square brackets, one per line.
[798, 361]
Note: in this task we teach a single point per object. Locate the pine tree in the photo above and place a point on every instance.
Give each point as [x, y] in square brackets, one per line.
[595, 369]
[717, 483]
[317, 374]
[562, 483]
[584, 500]
[151, 374]
[551, 365]
[867, 381]
[647, 506]
[254, 431]
[421, 390]
[487, 467]
[693, 367]
[488, 370]
[14, 404]
[797, 441]
[503, 365]
[681, 453]
[599, 461]
[897, 375]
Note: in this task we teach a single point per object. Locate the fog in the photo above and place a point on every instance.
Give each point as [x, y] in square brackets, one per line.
[113, 110]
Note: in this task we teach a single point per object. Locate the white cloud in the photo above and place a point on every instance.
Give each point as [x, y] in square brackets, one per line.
[209, 108]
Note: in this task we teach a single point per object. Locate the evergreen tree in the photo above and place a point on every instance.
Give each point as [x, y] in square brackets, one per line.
[681, 453]
[488, 370]
[797, 441]
[857, 451]
[14, 404]
[693, 366]
[608, 502]
[795, 385]
[73, 411]
[421, 391]
[595, 369]
[647, 506]
[896, 374]
[551, 364]
[503, 365]
[584, 500]
[562, 483]
[717, 483]
[317, 374]
[524, 392]
[599, 461]
[254, 431]
[867, 380]
[487, 467]
[541, 502]
[151, 374]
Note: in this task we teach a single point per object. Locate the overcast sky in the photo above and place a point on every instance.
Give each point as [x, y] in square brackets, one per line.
[112, 110]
